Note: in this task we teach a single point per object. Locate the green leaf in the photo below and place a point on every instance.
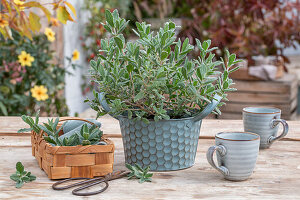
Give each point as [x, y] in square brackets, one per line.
[185, 44]
[128, 166]
[50, 140]
[119, 42]
[19, 184]
[206, 44]
[93, 63]
[139, 167]
[32, 177]
[129, 114]
[3, 109]
[234, 69]
[171, 25]
[225, 85]
[199, 44]
[121, 29]
[139, 27]
[139, 96]
[25, 179]
[115, 14]
[164, 55]
[14, 177]
[107, 28]
[109, 18]
[231, 59]
[19, 167]
[24, 130]
[198, 73]
[129, 68]
[225, 76]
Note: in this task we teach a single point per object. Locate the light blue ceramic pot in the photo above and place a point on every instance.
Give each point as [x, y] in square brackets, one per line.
[164, 145]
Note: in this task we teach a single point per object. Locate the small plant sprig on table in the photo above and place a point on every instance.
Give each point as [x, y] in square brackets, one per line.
[34, 125]
[138, 172]
[21, 176]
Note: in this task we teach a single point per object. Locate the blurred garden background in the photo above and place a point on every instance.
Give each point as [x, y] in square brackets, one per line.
[46, 46]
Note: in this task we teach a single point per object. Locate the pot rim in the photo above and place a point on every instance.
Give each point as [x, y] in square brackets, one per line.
[152, 120]
[257, 138]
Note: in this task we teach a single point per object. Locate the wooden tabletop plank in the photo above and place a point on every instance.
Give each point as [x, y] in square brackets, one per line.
[276, 176]
[110, 126]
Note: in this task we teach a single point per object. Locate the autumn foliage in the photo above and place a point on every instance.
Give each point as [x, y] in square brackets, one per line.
[245, 27]
[23, 18]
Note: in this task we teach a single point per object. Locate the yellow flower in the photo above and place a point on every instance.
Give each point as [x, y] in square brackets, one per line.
[50, 34]
[55, 22]
[3, 22]
[25, 59]
[39, 93]
[75, 55]
[19, 4]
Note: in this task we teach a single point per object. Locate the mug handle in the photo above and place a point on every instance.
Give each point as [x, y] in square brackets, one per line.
[274, 123]
[209, 155]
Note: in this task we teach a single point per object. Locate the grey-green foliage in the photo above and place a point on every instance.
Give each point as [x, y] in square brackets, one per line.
[138, 172]
[154, 77]
[52, 132]
[87, 135]
[21, 176]
[32, 123]
[90, 136]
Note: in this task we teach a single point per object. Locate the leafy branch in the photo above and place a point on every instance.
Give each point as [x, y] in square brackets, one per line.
[21, 176]
[139, 173]
[34, 124]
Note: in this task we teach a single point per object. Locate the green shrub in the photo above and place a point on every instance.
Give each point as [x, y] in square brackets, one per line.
[153, 77]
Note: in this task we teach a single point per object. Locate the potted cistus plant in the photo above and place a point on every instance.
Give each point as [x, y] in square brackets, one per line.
[157, 92]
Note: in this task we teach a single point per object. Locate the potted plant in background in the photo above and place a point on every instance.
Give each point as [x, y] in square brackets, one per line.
[158, 94]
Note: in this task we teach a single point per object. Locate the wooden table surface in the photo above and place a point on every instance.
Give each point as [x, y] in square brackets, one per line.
[276, 175]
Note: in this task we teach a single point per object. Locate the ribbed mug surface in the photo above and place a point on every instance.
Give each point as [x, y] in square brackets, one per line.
[259, 121]
[241, 154]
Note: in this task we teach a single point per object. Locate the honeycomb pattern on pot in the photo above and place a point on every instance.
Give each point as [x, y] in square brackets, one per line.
[164, 145]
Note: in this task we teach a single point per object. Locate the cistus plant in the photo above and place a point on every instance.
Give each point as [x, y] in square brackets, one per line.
[94, 31]
[153, 77]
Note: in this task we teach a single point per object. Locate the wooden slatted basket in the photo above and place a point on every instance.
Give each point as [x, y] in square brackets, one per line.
[73, 161]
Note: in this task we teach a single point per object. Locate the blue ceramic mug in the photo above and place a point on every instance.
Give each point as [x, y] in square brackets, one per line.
[236, 154]
[264, 122]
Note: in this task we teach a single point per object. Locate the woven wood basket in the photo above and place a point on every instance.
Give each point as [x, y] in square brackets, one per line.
[73, 161]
